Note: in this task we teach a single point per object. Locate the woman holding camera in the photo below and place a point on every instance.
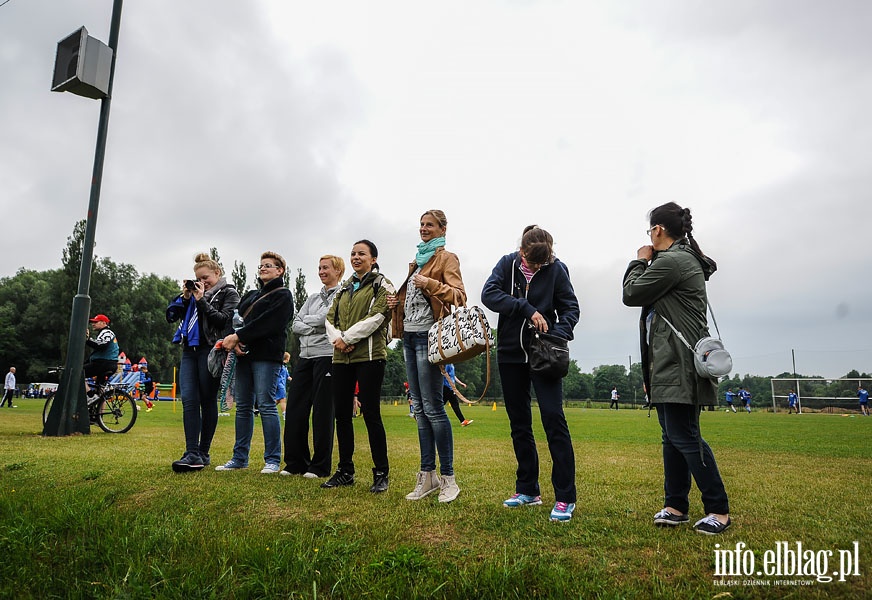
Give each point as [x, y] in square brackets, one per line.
[205, 308]
[259, 342]
[531, 288]
[667, 280]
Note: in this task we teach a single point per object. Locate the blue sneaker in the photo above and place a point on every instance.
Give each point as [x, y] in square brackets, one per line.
[562, 511]
[231, 465]
[522, 500]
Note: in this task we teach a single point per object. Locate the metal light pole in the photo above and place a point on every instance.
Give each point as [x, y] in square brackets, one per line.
[69, 412]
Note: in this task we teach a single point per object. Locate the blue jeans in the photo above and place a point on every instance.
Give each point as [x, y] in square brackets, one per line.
[199, 400]
[683, 454]
[425, 386]
[257, 379]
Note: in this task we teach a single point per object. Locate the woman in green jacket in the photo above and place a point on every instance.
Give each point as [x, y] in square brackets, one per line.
[667, 280]
[357, 326]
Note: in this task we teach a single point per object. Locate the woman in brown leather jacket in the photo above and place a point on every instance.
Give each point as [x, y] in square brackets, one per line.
[433, 285]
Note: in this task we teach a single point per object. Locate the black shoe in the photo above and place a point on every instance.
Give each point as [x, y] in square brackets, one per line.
[710, 525]
[664, 518]
[379, 482]
[191, 461]
[339, 479]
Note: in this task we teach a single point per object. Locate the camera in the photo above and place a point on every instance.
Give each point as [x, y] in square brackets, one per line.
[190, 285]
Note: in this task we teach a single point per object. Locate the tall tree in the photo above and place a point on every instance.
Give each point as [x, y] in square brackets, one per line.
[300, 293]
[213, 254]
[239, 275]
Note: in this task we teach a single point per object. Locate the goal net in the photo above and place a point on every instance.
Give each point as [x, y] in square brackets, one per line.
[819, 395]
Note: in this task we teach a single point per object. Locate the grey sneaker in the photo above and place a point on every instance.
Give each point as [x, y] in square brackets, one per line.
[427, 483]
[231, 465]
[448, 491]
[664, 518]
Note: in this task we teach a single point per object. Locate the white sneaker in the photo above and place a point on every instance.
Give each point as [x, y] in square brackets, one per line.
[448, 491]
[427, 483]
[311, 475]
[270, 468]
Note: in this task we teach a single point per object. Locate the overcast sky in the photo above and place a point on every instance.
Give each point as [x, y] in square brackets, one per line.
[303, 127]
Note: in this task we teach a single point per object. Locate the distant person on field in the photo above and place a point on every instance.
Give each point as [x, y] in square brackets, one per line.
[792, 402]
[531, 288]
[449, 396]
[863, 395]
[745, 395]
[204, 309]
[668, 281]
[146, 386]
[104, 356]
[615, 397]
[9, 388]
[282, 385]
[730, 396]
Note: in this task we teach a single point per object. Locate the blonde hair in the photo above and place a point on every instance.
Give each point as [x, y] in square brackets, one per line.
[337, 263]
[204, 260]
[439, 216]
[276, 257]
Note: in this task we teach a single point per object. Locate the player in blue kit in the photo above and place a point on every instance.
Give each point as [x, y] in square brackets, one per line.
[863, 395]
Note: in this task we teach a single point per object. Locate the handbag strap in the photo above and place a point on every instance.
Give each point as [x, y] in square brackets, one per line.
[248, 310]
[454, 389]
[681, 337]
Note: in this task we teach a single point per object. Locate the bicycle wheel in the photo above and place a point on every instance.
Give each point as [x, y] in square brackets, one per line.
[47, 409]
[117, 412]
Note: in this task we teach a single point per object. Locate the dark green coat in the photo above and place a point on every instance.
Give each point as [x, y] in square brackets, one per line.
[361, 318]
[673, 285]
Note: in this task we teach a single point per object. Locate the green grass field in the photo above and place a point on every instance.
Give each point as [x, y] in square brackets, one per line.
[103, 516]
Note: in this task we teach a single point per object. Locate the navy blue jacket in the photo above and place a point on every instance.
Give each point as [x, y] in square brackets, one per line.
[550, 292]
[265, 329]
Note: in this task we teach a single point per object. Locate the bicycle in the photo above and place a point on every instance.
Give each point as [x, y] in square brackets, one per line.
[111, 407]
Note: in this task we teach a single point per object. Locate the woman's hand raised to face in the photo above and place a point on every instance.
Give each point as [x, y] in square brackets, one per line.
[645, 253]
[199, 289]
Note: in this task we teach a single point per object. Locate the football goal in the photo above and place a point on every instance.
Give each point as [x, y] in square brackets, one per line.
[819, 395]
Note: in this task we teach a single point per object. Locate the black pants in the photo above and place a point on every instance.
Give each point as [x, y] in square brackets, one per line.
[310, 391]
[99, 369]
[682, 459]
[369, 375]
[7, 397]
[449, 397]
[516, 380]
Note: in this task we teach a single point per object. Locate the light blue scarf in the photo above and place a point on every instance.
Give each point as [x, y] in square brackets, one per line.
[426, 250]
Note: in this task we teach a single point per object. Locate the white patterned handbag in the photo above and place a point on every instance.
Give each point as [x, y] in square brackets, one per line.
[459, 336]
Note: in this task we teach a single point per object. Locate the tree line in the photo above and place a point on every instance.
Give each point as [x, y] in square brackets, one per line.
[35, 320]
